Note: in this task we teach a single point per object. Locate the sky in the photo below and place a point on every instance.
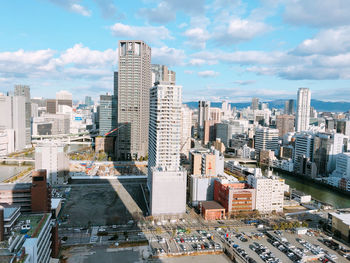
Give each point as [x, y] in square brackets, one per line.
[220, 49]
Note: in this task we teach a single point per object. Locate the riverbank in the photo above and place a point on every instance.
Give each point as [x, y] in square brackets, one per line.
[319, 191]
[312, 180]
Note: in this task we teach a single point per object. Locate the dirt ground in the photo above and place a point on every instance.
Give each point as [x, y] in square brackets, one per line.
[100, 205]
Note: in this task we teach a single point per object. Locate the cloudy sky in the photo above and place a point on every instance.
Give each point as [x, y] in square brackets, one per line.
[220, 49]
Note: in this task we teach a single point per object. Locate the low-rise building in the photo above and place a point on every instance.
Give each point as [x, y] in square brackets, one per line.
[340, 223]
[211, 210]
[30, 197]
[269, 192]
[201, 188]
[235, 197]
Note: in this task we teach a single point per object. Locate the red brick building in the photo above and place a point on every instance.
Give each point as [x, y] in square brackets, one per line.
[235, 197]
[211, 210]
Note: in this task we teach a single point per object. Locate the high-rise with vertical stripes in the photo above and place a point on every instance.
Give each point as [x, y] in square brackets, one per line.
[303, 110]
[134, 83]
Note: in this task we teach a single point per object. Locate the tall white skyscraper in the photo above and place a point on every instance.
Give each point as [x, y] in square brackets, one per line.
[166, 179]
[303, 110]
[51, 157]
[24, 90]
[186, 127]
[132, 91]
[13, 116]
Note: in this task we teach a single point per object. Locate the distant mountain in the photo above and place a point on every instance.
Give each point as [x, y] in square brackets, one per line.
[319, 105]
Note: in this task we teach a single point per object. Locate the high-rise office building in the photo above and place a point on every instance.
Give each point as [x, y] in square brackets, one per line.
[51, 157]
[51, 106]
[162, 73]
[284, 124]
[88, 101]
[166, 178]
[303, 110]
[24, 90]
[107, 112]
[303, 151]
[64, 97]
[203, 115]
[134, 83]
[255, 104]
[14, 117]
[186, 127]
[289, 107]
[266, 139]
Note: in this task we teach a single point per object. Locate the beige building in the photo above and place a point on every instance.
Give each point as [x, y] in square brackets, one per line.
[220, 146]
[341, 225]
[284, 124]
[134, 83]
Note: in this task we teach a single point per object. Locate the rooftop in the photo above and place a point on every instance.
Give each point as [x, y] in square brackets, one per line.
[345, 217]
[211, 205]
[17, 186]
[9, 211]
[37, 221]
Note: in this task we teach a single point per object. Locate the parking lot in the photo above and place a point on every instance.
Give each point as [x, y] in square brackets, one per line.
[279, 246]
[184, 243]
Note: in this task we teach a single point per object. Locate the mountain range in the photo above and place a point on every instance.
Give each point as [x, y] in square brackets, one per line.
[319, 105]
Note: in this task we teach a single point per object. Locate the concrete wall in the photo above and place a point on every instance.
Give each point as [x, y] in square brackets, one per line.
[168, 194]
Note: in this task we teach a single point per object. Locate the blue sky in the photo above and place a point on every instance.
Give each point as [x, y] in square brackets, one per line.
[220, 49]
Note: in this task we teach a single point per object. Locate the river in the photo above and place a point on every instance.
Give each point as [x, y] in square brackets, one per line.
[319, 192]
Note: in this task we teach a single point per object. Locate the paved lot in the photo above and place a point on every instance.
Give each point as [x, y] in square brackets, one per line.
[92, 254]
[102, 204]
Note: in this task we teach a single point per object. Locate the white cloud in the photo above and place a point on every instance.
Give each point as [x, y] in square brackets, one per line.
[150, 34]
[72, 6]
[201, 62]
[108, 9]
[329, 42]
[80, 10]
[208, 74]
[319, 13]
[197, 37]
[80, 55]
[166, 10]
[244, 82]
[168, 56]
[239, 30]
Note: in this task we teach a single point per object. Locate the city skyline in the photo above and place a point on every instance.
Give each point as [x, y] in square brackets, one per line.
[265, 48]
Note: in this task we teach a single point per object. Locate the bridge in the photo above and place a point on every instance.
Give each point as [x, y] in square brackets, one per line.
[17, 160]
[79, 138]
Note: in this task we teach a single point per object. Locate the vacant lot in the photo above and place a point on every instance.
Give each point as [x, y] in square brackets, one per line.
[90, 254]
[104, 204]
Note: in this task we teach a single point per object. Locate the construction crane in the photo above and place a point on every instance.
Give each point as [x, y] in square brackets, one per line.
[108, 133]
[183, 145]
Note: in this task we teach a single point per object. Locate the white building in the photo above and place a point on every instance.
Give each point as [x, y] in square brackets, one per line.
[303, 110]
[286, 165]
[266, 139]
[166, 179]
[304, 146]
[7, 141]
[269, 192]
[51, 156]
[13, 116]
[186, 127]
[342, 165]
[201, 188]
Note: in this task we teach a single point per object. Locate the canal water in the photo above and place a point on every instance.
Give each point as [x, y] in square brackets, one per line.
[319, 192]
